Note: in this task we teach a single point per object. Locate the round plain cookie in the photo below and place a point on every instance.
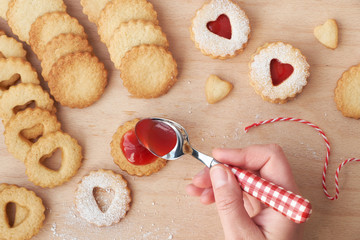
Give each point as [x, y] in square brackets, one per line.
[214, 45]
[20, 146]
[60, 46]
[12, 69]
[134, 33]
[87, 206]
[77, 80]
[282, 55]
[123, 163]
[9, 47]
[119, 11]
[46, 146]
[23, 13]
[51, 25]
[148, 71]
[93, 8]
[31, 225]
[23, 94]
[347, 93]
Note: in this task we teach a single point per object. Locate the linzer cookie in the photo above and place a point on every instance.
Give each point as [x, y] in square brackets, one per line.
[60, 46]
[12, 69]
[220, 29]
[45, 147]
[347, 93]
[23, 13]
[91, 209]
[51, 25]
[9, 47]
[130, 155]
[32, 221]
[16, 143]
[134, 33]
[77, 80]
[93, 8]
[278, 72]
[148, 71]
[120, 11]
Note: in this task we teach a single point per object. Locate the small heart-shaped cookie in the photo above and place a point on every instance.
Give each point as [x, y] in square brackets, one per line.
[220, 29]
[216, 89]
[327, 34]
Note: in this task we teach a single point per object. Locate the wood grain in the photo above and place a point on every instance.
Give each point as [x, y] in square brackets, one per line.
[161, 209]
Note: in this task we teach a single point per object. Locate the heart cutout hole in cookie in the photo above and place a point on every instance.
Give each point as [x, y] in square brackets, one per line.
[13, 80]
[280, 71]
[11, 213]
[19, 108]
[34, 138]
[103, 198]
[221, 26]
[53, 160]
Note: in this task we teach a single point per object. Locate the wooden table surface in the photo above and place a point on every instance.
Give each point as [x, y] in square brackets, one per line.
[160, 208]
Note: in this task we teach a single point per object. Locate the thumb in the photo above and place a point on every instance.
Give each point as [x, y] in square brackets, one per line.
[229, 202]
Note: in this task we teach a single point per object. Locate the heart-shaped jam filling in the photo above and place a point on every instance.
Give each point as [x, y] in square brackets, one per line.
[103, 198]
[280, 71]
[221, 26]
[134, 152]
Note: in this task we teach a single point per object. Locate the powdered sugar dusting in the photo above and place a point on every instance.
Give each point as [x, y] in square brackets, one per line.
[260, 71]
[212, 43]
[86, 203]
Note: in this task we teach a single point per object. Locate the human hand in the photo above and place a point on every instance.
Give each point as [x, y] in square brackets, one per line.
[241, 215]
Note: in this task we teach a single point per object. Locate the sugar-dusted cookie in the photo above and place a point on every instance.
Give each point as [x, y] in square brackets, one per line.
[60, 46]
[140, 162]
[87, 205]
[327, 34]
[4, 6]
[9, 47]
[93, 8]
[278, 72]
[77, 80]
[148, 71]
[51, 25]
[23, 13]
[220, 29]
[119, 11]
[134, 33]
[347, 93]
[44, 148]
[216, 89]
[12, 69]
[32, 222]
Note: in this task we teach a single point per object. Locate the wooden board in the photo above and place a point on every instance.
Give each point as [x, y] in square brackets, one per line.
[161, 209]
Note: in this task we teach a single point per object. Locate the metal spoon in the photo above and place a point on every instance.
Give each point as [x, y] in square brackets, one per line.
[287, 203]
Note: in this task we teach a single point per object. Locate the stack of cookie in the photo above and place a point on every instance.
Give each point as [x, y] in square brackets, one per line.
[24, 124]
[75, 76]
[137, 45]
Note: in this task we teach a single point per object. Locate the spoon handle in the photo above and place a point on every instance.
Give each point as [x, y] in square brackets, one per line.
[294, 207]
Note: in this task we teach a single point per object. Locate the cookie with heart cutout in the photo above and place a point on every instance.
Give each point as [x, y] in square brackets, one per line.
[220, 29]
[278, 72]
[92, 209]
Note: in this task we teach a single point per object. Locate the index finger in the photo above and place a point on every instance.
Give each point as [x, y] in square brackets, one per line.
[269, 160]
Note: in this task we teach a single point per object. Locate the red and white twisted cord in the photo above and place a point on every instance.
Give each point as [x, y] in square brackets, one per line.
[322, 133]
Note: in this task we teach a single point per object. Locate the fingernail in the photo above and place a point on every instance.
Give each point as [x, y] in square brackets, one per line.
[219, 176]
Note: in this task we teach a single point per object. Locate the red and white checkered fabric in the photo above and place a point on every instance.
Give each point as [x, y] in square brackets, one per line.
[287, 203]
